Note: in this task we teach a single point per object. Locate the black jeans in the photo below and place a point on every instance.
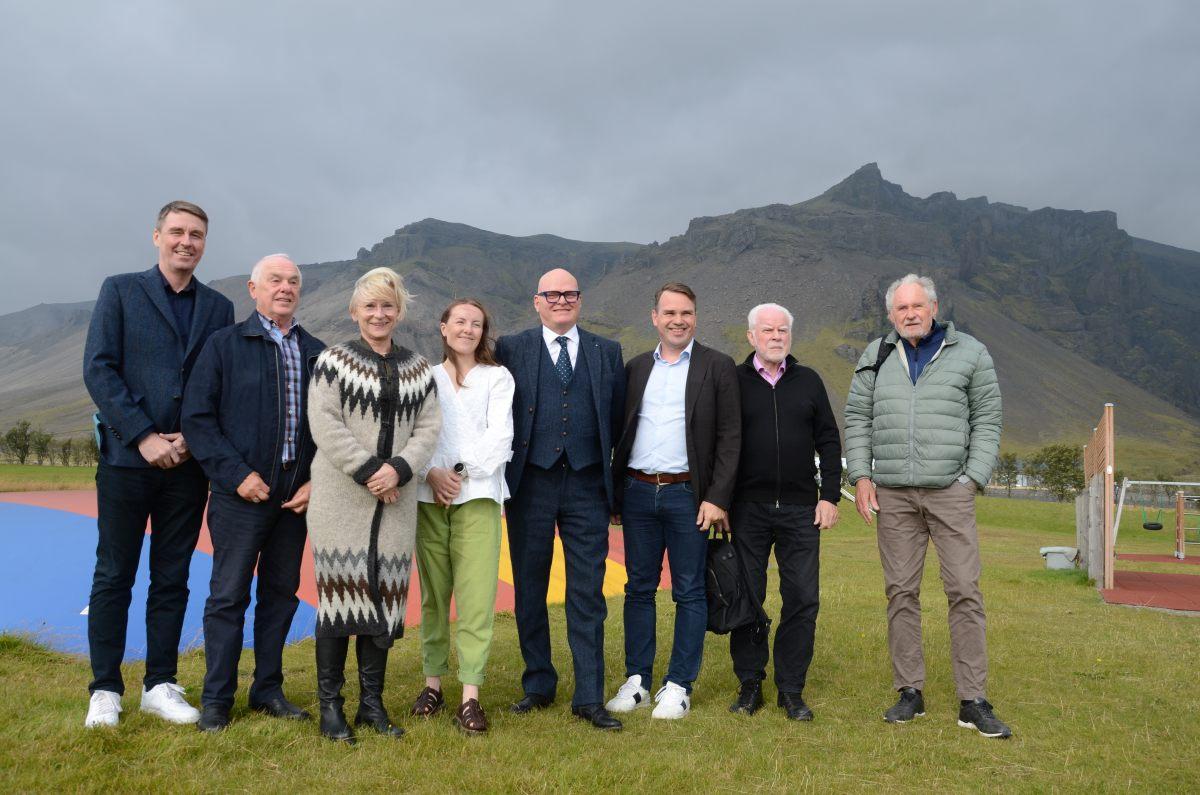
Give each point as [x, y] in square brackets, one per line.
[756, 527]
[246, 535]
[173, 501]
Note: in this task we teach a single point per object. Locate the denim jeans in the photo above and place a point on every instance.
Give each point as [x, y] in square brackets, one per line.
[657, 519]
[173, 501]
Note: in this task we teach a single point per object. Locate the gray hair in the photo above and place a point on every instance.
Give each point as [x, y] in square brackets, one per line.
[912, 278]
[256, 271]
[753, 316]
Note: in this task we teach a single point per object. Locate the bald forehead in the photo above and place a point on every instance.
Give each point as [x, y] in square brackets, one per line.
[557, 279]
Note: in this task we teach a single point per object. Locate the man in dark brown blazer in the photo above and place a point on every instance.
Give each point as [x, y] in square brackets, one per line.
[678, 449]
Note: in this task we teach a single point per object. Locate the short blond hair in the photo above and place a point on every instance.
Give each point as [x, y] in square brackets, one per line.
[381, 283]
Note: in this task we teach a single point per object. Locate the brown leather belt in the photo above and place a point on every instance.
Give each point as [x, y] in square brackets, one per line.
[659, 478]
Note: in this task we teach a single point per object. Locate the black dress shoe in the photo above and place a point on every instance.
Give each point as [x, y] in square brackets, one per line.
[794, 706]
[598, 716]
[280, 707]
[213, 718]
[531, 702]
[749, 698]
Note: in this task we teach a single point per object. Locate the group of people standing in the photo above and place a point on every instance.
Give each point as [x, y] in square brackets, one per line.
[381, 457]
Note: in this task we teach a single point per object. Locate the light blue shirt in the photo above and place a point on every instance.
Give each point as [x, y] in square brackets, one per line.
[660, 445]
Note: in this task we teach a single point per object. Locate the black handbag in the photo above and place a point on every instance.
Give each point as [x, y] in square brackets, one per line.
[730, 604]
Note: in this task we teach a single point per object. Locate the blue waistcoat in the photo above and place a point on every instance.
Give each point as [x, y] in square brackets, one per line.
[565, 420]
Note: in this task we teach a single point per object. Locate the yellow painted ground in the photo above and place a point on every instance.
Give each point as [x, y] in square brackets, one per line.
[614, 573]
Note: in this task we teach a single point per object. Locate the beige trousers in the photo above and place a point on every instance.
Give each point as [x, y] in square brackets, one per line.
[908, 519]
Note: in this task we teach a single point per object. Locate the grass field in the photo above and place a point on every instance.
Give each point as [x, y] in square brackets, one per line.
[1100, 698]
[31, 477]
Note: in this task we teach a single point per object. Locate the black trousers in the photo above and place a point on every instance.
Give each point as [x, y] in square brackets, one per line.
[246, 536]
[797, 541]
[173, 501]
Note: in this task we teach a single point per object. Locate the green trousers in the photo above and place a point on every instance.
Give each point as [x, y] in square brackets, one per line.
[458, 554]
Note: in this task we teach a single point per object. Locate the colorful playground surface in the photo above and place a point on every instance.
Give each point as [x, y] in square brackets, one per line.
[1164, 590]
[47, 576]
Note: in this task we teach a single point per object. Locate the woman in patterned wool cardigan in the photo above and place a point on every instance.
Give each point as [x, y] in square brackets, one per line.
[375, 418]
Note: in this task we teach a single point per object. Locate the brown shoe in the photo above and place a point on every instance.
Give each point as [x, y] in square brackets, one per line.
[470, 718]
[428, 704]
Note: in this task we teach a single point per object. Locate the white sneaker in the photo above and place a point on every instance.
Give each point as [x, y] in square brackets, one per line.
[104, 709]
[671, 702]
[166, 701]
[630, 696]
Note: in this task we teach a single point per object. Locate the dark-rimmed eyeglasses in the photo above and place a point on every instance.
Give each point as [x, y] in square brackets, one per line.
[554, 296]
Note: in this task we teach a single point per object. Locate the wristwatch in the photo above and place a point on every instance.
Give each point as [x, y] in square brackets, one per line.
[460, 469]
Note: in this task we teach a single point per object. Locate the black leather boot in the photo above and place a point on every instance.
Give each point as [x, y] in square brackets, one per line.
[331, 675]
[372, 665]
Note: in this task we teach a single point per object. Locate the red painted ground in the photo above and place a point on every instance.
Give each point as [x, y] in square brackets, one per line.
[1195, 561]
[1155, 589]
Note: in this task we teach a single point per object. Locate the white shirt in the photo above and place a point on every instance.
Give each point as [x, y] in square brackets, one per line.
[660, 445]
[477, 431]
[551, 338]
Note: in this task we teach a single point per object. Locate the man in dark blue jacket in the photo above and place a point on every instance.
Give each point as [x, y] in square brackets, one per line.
[570, 395]
[146, 331]
[244, 416]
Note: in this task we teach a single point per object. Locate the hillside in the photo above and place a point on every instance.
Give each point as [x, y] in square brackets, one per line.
[1074, 310]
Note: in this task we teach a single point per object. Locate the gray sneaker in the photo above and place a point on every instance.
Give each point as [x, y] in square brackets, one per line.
[911, 705]
[977, 714]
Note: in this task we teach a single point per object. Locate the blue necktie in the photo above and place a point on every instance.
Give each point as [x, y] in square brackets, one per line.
[563, 365]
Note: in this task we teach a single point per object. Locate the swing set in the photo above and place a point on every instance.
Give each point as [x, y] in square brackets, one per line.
[1154, 496]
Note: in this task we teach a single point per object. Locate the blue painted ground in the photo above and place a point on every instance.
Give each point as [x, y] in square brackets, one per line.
[46, 577]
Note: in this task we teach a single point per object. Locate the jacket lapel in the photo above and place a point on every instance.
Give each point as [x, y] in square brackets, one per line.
[697, 372]
[200, 313]
[589, 349]
[531, 352]
[152, 284]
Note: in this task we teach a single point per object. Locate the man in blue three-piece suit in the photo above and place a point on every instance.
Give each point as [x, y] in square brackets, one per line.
[570, 390]
[145, 333]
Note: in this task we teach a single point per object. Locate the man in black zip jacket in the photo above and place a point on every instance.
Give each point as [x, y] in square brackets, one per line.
[786, 418]
[244, 415]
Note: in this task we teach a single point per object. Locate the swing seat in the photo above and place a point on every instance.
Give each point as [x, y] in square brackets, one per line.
[1152, 525]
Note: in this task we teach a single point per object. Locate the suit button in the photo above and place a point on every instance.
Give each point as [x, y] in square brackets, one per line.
[564, 405]
[174, 397]
[564, 433]
[524, 444]
[564, 419]
[564, 393]
[531, 409]
[557, 449]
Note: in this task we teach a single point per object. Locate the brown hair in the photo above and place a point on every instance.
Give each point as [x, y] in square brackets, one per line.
[675, 287]
[180, 207]
[485, 351]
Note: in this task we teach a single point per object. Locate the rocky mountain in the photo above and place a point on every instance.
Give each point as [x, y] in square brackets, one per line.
[1074, 310]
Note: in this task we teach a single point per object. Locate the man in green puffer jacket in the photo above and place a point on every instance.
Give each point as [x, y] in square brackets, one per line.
[922, 436]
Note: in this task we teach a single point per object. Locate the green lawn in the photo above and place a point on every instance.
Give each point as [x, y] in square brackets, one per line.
[31, 477]
[1099, 698]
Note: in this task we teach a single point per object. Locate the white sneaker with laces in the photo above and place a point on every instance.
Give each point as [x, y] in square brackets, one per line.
[104, 709]
[167, 702]
[630, 696]
[671, 702]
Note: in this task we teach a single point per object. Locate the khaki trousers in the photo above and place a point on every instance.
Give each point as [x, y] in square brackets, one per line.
[908, 519]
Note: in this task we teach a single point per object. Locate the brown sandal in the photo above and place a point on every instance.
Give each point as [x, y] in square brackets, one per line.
[470, 718]
[428, 704]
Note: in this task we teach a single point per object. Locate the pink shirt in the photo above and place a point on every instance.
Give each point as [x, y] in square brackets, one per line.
[762, 370]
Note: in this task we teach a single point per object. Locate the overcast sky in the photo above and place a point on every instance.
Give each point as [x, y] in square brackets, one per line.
[316, 128]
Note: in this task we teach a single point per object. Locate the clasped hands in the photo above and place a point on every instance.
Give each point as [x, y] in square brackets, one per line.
[446, 485]
[385, 484]
[164, 450]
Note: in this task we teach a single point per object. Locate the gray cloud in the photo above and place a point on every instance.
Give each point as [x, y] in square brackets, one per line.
[315, 129]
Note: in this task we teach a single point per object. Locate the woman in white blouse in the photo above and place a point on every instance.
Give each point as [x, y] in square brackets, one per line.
[458, 514]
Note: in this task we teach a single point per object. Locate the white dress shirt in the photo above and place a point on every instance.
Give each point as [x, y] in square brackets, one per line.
[551, 338]
[477, 431]
[660, 444]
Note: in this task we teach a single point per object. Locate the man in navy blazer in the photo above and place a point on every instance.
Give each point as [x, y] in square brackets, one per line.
[244, 413]
[570, 390]
[146, 331]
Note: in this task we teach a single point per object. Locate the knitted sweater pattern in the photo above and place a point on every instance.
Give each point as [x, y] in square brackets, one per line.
[365, 410]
